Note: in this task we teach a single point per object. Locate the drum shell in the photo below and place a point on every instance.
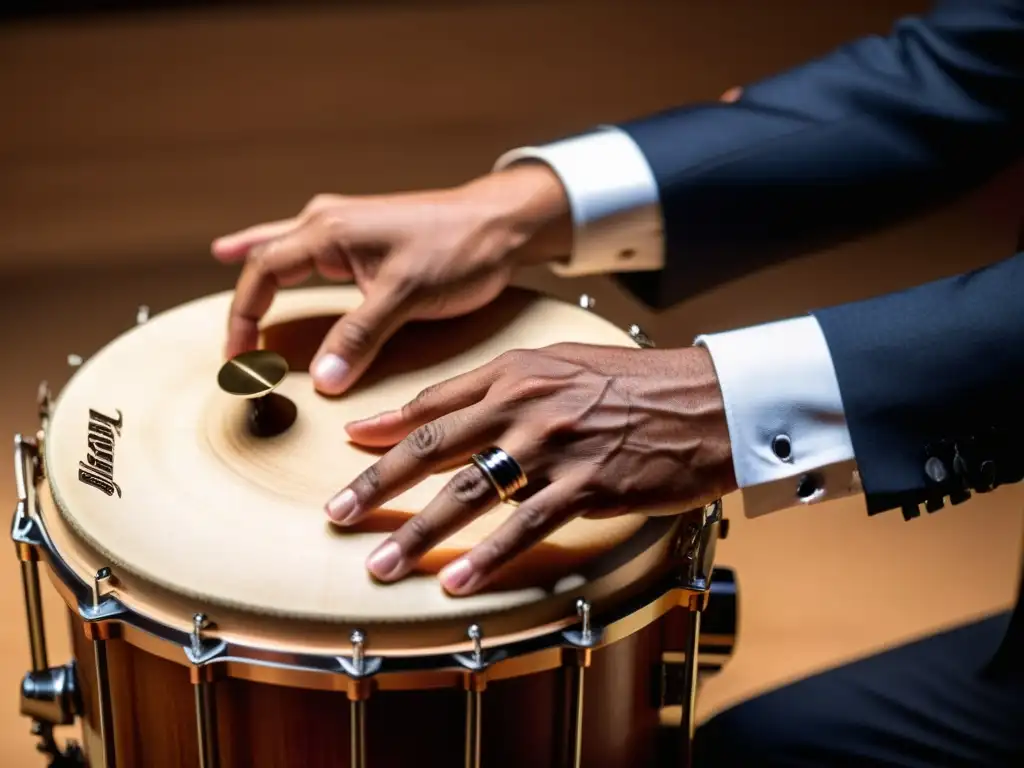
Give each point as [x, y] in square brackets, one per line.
[263, 725]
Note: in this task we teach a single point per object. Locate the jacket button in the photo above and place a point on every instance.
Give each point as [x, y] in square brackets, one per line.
[936, 470]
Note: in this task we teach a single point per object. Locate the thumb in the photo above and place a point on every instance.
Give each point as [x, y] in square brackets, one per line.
[355, 340]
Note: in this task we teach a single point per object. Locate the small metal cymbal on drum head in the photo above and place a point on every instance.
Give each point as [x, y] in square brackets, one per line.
[254, 376]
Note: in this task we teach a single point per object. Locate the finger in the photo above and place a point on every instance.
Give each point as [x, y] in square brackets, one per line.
[235, 247]
[459, 392]
[283, 262]
[278, 263]
[353, 343]
[467, 495]
[428, 449]
[538, 516]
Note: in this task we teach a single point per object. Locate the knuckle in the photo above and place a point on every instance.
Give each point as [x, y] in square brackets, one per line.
[420, 402]
[419, 528]
[531, 518]
[470, 486]
[356, 337]
[367, 483]
[425, 440]
[319, 202]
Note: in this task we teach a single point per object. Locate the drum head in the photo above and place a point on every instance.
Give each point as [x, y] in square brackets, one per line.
[192, 503]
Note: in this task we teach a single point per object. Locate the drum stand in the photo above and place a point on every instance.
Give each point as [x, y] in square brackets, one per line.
[50, 696]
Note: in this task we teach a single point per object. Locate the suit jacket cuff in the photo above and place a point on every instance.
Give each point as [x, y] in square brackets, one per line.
[614, 200]
[790, 441]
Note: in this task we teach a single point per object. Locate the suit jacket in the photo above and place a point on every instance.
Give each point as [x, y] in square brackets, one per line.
[932, 378]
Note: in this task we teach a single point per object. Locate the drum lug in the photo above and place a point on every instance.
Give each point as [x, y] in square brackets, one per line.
[586, 635]
[587, 302]
[359, 666]
[636, 333]
[142, 314]
[201, 650]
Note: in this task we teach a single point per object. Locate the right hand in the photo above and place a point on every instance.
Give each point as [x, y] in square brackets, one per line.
[415, 256]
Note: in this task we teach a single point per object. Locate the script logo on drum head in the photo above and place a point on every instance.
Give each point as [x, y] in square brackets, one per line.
[98, 468]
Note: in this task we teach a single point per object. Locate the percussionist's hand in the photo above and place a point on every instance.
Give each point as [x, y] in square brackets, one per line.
[420, 255]
[596, 430]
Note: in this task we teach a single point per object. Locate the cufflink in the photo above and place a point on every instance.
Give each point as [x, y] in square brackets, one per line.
[810, 488]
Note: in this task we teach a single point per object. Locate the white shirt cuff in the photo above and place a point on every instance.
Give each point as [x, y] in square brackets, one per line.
[613, 197]
[790, 441]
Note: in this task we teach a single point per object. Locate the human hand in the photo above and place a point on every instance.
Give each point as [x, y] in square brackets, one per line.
[596, 430]
[415, 256]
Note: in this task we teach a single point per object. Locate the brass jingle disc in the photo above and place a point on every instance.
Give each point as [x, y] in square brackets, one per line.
[252, 374]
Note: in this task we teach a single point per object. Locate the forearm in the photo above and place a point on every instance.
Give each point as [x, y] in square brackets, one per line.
[881, 396]
[877, 131]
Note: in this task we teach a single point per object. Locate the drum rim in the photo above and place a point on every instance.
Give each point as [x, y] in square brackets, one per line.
[540, 651]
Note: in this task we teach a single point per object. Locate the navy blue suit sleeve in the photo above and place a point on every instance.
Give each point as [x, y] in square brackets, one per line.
[932, 380]
[879, 130]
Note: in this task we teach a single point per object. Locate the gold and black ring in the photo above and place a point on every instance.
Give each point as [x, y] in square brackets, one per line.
[503, 471]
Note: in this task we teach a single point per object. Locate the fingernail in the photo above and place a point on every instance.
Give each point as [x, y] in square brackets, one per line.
[343, 506]
[384, 561]
[329, 369]
[457, 575]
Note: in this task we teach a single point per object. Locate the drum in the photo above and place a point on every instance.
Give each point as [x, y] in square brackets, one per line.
[219, 619]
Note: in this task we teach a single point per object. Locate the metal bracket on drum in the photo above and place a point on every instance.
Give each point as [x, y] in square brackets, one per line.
[717, 640]
[580, 643]
[200, 653]
[360, 669]
[50, 696]
[476, 662]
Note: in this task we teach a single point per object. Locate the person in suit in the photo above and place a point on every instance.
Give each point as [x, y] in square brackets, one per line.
[913, 399]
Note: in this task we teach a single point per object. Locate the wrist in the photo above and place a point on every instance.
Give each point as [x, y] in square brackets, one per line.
[529, 206]
[703, 395]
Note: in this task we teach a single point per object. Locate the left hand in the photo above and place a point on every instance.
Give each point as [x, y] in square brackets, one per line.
[596, 430]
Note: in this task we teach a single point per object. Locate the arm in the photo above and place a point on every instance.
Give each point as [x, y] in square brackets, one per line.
[932, 381]
[879, 130]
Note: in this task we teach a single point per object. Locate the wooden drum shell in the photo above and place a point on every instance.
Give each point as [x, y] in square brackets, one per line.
[264, 725]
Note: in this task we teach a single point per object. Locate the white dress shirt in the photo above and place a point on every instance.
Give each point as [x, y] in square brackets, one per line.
[790, 441]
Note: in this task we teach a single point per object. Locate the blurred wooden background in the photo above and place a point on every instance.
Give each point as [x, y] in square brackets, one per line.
[129, 140]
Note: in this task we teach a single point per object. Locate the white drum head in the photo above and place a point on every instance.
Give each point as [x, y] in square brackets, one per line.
[198, 507]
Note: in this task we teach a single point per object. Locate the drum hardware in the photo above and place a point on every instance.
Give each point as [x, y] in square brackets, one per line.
[142, 314]
[50, 696]
[114, 609]
[100, 630]
[587, 302]
[198, 651]
[254, 376]
[576, 660]
[474, 683]
[75, 361]
[106, 615]
[642, 340]
[357, 696]
[717, 639]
